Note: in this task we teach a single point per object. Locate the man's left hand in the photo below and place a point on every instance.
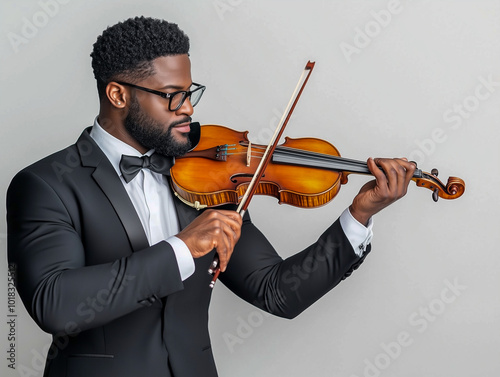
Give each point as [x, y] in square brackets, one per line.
[391, 182]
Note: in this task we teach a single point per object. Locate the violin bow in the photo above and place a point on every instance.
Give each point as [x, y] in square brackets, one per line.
[259, 172]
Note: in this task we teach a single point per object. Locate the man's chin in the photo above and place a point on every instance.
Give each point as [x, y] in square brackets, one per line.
[181, 139]
[175, 148]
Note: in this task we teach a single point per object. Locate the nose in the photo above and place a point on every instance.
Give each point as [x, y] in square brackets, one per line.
[186, 108]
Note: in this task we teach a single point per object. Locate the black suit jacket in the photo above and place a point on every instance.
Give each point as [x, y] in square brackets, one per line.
[117, 306]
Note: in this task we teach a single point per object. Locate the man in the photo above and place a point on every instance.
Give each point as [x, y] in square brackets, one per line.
[115, 267]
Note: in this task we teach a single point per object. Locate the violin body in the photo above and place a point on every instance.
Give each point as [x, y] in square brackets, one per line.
[303, 172]
[225, 179]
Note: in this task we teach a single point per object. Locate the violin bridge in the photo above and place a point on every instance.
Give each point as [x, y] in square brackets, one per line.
[249, 153]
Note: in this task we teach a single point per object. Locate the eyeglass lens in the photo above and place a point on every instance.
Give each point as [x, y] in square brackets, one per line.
[178, 99]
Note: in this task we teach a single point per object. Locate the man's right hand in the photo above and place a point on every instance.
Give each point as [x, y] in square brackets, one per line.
[213, 229]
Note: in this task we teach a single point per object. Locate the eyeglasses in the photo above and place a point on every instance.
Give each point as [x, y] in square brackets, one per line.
[176, 99]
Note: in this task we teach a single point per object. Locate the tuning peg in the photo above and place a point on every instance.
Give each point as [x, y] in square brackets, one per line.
[435, 195]
[434, 172]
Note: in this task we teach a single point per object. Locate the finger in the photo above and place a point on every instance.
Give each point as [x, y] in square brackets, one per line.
[381, 174]
[227, 240]
[409, 166]
[227, 246]
[226, 217]
[410, 171]
[373, 166]
[232, 218]
[231, 214]
[405, 173]
[396, 175]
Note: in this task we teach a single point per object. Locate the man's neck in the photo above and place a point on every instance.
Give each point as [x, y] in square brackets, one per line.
[112, 123]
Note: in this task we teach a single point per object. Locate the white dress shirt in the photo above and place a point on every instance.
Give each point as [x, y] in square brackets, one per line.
[151, 197]
[153, 202]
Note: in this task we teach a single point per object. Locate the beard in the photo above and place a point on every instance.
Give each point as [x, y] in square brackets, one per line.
[150, 133]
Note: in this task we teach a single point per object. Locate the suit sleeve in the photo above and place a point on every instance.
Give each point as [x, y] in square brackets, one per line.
[287, 287]
[53, 280]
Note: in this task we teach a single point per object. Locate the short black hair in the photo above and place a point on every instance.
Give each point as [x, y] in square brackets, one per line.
[126, 50]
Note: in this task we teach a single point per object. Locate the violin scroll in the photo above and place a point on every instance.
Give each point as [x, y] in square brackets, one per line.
[453, 189]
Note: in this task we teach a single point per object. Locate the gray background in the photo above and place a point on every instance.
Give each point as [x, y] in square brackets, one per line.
[416, 86]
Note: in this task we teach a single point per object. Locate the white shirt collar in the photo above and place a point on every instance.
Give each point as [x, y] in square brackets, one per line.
[112, 147]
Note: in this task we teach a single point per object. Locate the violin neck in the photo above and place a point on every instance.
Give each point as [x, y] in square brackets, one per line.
[285, 155]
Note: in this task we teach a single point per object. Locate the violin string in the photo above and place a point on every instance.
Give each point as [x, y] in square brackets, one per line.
[320, 156]
[320, 161]
[287, 155]
[303, 153]
[312, 154]
[308, 158]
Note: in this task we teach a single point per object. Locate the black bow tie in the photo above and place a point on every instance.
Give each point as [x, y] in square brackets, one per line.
[130, 166]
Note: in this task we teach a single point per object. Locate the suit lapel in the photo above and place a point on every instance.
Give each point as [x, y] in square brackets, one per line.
[109, 182]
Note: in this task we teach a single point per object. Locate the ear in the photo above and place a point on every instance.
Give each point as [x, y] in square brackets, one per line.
[117, 95]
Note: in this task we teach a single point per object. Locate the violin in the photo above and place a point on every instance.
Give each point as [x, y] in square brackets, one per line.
[224, 167]
[303, 172]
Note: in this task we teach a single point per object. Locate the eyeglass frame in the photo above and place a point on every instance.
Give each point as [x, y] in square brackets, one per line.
[169, 96]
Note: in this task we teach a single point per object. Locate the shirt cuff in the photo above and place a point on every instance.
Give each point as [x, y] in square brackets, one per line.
[183, 256]
[358, 235]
